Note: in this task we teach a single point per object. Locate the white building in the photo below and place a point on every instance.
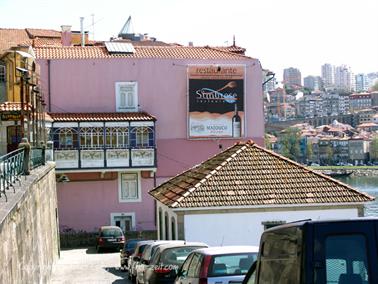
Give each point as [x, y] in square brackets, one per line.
[344, 78]
[328, 76]
[231, 198]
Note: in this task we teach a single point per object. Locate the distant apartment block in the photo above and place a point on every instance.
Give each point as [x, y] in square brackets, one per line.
[328, 76]
[360, 101]
[313, 83]
[362, 83]
[344, 78]
[292, 77]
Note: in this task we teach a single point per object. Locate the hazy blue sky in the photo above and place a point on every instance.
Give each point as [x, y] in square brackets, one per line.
[281, 33]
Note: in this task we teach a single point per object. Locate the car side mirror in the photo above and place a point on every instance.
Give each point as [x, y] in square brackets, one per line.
[145, 261]
[181, 273]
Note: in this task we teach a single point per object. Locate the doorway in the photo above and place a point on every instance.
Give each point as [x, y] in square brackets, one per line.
[123, 220]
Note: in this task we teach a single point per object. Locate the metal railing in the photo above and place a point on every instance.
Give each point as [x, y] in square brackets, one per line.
[13, 165]
[37, 157]
[11, 168]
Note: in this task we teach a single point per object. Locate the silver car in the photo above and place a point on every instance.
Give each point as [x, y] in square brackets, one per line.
[220, 265]
[147, 255]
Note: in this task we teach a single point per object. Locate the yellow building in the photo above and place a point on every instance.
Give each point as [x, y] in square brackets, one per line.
[20, 100]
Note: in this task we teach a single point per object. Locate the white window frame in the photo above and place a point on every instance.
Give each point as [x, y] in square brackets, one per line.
[139, 188]
[123, 214]
[126, 96]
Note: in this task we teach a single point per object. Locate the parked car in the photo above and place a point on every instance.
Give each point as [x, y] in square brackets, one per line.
[166, 261]
[135, 258]
[110, 237]
[146, 257]
[127, 250]
[221, 265]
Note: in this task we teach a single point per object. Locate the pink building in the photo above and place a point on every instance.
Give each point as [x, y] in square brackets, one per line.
[127, 118]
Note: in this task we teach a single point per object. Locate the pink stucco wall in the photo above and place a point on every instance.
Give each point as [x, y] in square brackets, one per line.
[88, 85]
[88, 205]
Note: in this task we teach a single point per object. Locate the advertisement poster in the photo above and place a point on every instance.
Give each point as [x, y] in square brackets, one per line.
[216, 101]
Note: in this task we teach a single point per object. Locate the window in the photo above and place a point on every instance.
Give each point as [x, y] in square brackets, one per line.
[65, 138]
[91, 137]
[2, 73]
[271, 224]
[160, 224]
[173, 228]
[280, 252]
[142, 136]
[346, 265]
[166, 223]
[195, 266]
[117, 137]
[129, 187]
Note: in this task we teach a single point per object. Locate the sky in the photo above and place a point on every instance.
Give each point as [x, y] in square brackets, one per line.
[303, 34]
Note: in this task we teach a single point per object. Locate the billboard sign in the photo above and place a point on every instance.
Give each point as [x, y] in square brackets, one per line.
[216, 101]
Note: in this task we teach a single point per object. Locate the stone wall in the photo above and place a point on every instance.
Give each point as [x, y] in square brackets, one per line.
[29, 229]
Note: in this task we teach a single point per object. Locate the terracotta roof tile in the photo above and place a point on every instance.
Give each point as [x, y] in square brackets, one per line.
[170, 52]
[102, 116]
[247, 174]
[33, 33]
[12, 37]
[15, 37]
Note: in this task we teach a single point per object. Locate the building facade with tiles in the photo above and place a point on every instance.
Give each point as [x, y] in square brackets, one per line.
[126, 118]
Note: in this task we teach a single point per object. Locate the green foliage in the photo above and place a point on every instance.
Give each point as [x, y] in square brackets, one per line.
[329, 152]
[375, 86]
[374, 149]
[309, 151]
[268, 143]
[290, 143]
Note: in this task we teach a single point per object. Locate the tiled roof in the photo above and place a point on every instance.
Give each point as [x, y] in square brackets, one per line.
[102, 116]
[13, 106]
[169, 52]
[11, 37]
[33, 33]
[14, 37]
[249, 175]
[232, 48]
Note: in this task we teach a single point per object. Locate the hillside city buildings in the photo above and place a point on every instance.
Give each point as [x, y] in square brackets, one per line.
[337, 96]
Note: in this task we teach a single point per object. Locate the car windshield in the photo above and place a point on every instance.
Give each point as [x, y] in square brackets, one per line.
[231, 264]
[176, 255]
[111, 233]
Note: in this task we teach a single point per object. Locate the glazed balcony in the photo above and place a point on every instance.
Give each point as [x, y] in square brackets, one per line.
[96, 141]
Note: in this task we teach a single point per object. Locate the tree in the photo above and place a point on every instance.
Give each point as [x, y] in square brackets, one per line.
[374, 149]
[290, 143]
[329, 153]
[268, 142]
[309, 151]
[375, 86]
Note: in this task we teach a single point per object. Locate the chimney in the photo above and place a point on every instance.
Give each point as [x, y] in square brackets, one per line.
[82, 31]
[66, 35]
[191, 43]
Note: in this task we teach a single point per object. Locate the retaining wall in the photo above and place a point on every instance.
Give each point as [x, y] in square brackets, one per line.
[29, 228]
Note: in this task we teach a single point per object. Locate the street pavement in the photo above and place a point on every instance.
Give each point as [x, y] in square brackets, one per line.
[88, 266]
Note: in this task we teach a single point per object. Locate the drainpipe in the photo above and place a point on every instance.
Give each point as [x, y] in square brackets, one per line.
[48, 79]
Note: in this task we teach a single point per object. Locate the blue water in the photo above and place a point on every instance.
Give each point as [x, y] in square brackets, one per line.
[368, 185]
